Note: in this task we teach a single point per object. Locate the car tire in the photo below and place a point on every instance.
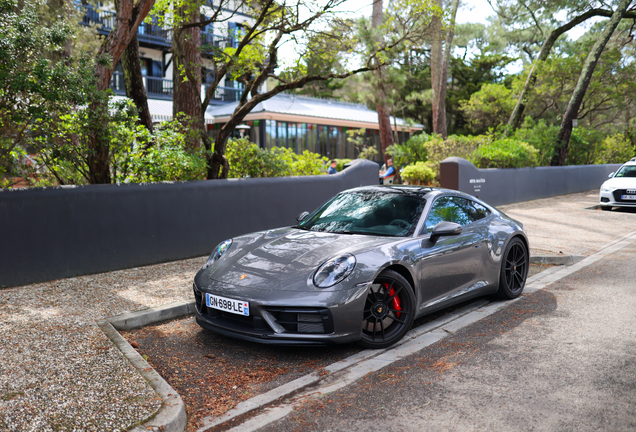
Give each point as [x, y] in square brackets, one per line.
[389, 310]
[606, 208]
[514, 269]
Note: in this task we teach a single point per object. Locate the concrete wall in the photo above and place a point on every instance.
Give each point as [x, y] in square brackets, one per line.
[53, 233]
[505, 186]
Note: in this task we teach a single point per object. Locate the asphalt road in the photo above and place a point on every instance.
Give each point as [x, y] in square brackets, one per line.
[561, 359]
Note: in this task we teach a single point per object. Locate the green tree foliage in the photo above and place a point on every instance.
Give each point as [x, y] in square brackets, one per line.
[539, 135]
[505, 153]
[414, 150]
[167, 159]
[32, 87]
[616, 148]
[488, 108]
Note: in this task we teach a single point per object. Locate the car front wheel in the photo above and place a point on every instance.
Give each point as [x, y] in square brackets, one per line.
[389, 310]
[514, 270]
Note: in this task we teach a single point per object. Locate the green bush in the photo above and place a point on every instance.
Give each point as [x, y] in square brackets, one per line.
[414, 150]
[167, 159]
[438, 149]
[615, 148]
[540, 136]
[488, 108]
[584, 145]
[505, 153]
[420, 172]
[248, 160]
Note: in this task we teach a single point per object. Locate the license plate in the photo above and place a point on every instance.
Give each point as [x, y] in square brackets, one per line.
[628, 197]
[227, 305]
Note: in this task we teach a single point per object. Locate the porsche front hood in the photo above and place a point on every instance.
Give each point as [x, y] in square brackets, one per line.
[274, 258]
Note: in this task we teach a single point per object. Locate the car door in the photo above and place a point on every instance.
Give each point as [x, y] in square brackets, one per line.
[451, 264]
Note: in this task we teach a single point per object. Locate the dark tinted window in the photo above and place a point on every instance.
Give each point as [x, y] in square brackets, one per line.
[626, 171]
[454, 209]
[476, 211]
[367, 212]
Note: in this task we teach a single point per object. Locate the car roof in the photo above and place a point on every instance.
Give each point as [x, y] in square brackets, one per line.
[419, 191]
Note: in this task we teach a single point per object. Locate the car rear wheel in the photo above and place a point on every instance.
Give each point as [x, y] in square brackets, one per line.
[389, 310]
[514, 270]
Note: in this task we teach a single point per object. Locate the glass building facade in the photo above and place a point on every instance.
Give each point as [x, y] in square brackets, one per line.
[331, 141]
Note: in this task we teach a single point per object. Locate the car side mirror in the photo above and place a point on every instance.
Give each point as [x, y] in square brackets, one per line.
[302, 216]
[611, 175]
[445, 229]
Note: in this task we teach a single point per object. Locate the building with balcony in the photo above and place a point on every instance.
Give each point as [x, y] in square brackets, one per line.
[296, 122]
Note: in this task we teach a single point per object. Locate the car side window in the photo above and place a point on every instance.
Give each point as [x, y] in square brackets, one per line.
[476, 211]
[449, 209]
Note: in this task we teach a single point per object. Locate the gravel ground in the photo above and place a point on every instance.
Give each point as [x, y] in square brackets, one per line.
[60, 372]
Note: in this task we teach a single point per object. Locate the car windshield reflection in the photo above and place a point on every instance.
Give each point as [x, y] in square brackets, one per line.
[371, 213]
[626, 171]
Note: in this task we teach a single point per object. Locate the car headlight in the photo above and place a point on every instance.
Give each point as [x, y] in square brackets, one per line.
[334, 271]
[607, 189]
[218, 252]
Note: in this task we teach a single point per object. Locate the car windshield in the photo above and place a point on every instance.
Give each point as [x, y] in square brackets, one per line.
[626, 171]
[367, 212]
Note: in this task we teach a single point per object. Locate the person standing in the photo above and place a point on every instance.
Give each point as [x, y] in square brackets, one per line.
[332, 169]
[387, 176]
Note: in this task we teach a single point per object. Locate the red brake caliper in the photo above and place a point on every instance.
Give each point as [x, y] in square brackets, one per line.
[396, 303]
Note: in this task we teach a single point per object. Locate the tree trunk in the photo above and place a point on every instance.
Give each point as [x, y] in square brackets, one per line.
[134, 82]
[436, 65]
[186, 48]
[517, 113]
[571, 112]
[443, 77]
[127, 20]
[384, 122]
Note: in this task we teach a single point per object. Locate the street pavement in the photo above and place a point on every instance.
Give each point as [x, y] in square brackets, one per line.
[560, 359]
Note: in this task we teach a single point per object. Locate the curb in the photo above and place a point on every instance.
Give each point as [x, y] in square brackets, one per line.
[133, 320]
[171, 417]
[556, 260]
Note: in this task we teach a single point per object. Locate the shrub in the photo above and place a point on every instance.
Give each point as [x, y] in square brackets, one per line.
[248, 160]
[167, 159]
[419, 172]
[540, 136]
[583, 147]
[414, 150]
[615, 148]
[438, 149]
[505, 153]
[490, 107]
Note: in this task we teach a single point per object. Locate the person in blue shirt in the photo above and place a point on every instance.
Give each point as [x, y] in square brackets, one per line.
[332, 169]
[387, 176]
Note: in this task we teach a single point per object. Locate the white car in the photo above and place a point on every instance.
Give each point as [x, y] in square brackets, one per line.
[620, 189]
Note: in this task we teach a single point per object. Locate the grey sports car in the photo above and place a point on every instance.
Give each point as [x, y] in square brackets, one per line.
[361, 268]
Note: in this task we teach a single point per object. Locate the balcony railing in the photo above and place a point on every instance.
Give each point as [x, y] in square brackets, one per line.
[156, 88]
[161, 88]
[105, 20]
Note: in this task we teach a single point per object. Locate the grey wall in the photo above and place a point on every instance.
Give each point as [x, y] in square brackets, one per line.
[53, 233]
[505, 186]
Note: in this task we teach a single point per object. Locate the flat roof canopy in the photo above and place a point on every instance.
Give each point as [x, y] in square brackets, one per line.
[302, 109]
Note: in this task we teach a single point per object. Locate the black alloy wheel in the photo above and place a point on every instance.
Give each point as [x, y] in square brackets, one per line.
[514, 270]
[389, 310]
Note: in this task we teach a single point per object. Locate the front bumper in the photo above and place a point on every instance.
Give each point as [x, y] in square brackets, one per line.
[286, 317]
[614, 199]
